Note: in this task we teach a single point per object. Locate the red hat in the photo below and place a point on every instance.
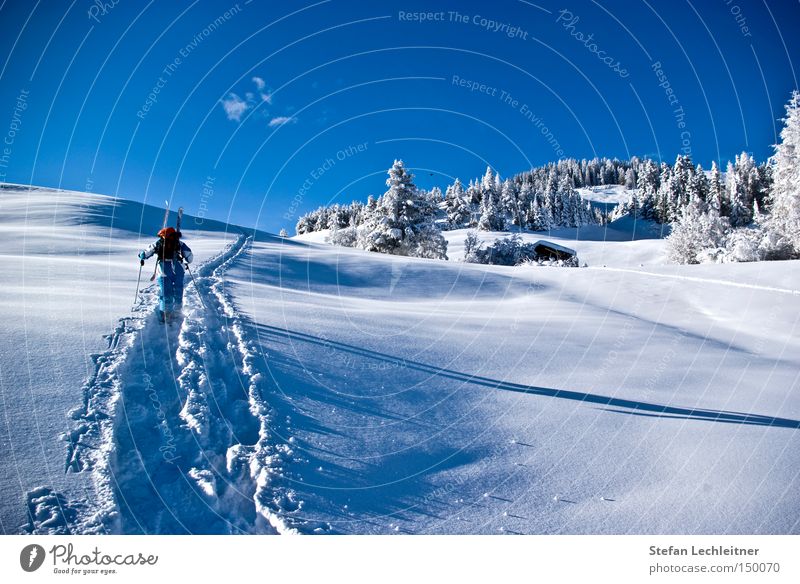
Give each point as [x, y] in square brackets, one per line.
[167, 232]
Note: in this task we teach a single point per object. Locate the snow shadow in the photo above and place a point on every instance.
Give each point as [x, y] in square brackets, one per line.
[363, 461]
[613, 404]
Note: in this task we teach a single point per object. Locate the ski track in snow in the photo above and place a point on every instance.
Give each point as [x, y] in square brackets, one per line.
[174, 429]
[701, 280]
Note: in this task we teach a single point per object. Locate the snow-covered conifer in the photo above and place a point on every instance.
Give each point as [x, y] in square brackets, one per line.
[784, 222]
[697, 234]
[456, 206]
[716, 190]
[737, 192]
[403, 220]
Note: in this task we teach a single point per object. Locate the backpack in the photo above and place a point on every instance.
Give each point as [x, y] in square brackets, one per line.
[169, 244]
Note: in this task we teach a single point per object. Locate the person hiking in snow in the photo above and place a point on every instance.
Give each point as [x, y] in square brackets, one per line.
[171, 253]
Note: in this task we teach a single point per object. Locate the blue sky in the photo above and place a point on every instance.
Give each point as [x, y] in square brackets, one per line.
[279, 107]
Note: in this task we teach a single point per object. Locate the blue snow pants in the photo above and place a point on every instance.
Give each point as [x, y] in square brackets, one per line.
[170, 287]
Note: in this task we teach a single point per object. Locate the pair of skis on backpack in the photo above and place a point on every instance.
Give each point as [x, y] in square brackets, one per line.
[164, 226]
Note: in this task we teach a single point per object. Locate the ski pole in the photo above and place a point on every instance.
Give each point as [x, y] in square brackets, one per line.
[138, 280]
[195, 286]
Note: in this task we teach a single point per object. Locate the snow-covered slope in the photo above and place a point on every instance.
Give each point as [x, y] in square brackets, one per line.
[440, 397]
[68, 272]
[316, 389]
[612, 194]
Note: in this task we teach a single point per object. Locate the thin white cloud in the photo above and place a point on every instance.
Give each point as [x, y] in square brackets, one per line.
[234, 107]
[281, 120]
[265, 96]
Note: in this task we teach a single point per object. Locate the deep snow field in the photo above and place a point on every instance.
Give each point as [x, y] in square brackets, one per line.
[68, 273]
[327, 390]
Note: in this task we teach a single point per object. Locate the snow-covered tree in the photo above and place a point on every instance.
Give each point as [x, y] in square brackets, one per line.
[648, 183]
[472, 248]
[678, 186]
[629, 207]
[338, 217]
[698, 186]
[784, 222]
[526, 197]
[764, 186]
[574, 211]
[737, 192]
[664, 195]
[539, 217]
[699, 233]
[508, 251]
[490, 219]
[488, 182]
[402, 222]
[345, 236]
[304, 225]
[509, 202]
[716, 190]
[456, 205]
[609, 174]
[630, 179]
[743, 245]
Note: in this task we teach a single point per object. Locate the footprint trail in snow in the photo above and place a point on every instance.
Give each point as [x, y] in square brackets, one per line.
[174, 427]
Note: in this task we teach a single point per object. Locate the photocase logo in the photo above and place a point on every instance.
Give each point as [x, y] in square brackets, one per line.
[31, 557]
